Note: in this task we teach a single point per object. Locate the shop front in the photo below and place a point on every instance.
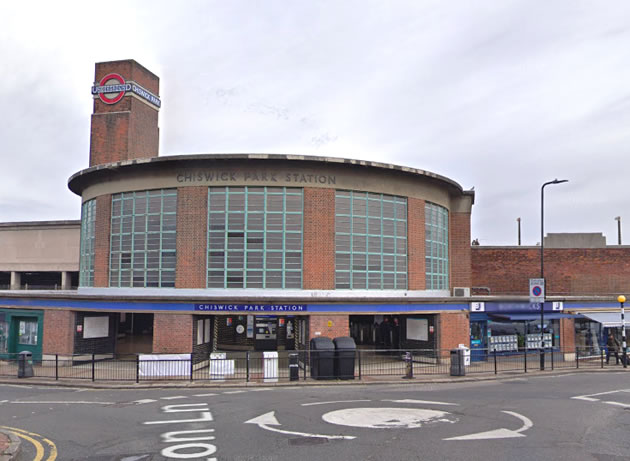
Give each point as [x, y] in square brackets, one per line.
[511, 327]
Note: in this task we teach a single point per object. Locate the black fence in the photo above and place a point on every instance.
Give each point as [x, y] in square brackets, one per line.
[302, 365]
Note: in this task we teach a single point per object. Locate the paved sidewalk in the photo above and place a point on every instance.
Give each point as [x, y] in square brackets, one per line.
[9, 446]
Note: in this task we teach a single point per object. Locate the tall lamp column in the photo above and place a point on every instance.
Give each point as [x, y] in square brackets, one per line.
[542, 266]
[624, 355]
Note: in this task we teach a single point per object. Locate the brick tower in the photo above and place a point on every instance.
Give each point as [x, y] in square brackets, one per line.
[125, 117]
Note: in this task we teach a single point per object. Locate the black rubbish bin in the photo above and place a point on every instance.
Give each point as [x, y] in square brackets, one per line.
[457, 362]
[345, 353]
[25, 365]
[294, 367]
[322, 358]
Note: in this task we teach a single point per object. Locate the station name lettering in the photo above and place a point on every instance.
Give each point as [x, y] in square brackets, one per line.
[251, 307]
[208, 176]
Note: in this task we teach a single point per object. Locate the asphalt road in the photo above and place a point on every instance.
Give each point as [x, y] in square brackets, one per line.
[581, 416]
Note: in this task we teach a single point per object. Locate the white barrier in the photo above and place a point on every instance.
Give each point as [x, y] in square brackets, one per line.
[270, 364]
[220, 366]
[164, 365]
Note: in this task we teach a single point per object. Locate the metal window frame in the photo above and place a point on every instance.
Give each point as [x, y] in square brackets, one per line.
[115, 255]
[87, 251]
[384, 200]
[249, 191]
[436, 219]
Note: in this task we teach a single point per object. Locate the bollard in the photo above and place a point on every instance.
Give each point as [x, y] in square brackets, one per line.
[408, 366]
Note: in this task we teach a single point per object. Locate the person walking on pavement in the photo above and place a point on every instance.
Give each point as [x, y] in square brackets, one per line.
[612, 348]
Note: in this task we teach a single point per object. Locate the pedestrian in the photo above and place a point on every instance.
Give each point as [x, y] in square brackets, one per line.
[612, 348]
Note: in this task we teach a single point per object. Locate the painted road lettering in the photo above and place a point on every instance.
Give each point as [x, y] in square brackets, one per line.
[192, 443]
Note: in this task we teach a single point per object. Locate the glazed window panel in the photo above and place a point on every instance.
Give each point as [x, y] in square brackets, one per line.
[436, 247]
[262, 245]
[370, 241]
[88, 226]
[143, 239]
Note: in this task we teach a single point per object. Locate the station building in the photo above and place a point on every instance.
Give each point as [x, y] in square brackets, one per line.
[193, 253]
[198, 253]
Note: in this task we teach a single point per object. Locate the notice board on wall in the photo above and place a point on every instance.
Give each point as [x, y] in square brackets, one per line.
[95, 327]
[418, 329]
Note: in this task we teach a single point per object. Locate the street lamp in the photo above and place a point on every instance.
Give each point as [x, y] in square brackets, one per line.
[624, 356]
[542, 266]
[618, 219]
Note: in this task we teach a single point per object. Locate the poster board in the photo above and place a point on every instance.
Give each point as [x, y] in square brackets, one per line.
[95, 327]
[418, 329]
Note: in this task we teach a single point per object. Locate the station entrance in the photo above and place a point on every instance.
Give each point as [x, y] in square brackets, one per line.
[134, 334]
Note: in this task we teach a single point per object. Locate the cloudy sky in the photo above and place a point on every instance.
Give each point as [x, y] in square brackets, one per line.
[497, 95]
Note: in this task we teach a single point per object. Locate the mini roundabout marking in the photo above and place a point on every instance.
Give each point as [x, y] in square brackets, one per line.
[391, 418]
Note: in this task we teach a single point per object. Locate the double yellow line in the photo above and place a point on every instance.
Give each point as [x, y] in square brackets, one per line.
[39, 447]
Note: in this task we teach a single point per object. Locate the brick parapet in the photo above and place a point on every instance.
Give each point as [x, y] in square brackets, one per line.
[568, 271]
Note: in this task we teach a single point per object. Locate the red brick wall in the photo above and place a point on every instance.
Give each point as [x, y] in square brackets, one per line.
[340, 326]
[192, 224]
[319, 239]
[129, 128]
[101, 240]
[453, 330]
[459, 249]
[567, 335]
[58, 337]
[568, 271]
[416, 243]
[172, 333]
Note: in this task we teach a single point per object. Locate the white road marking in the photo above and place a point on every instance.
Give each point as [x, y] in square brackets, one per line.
[140, 402]
[174, 397]
[235, 392]
[420, 402]
[387, 418]
[269, 419]
[64, 403]
[333, 401]
[619, 404]
[499, 433]
[589, 397]
[269, 389]
[204, 395]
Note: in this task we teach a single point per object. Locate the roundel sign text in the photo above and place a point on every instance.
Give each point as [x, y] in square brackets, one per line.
[111, 88]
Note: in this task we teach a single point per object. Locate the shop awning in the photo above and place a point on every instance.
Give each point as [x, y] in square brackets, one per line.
[607, 319]
[532, 316]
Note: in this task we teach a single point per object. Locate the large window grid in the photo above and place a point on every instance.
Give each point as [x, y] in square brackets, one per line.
[86, 264]
[370, 241]
[255, 237]
[143, 239]
[436, 247]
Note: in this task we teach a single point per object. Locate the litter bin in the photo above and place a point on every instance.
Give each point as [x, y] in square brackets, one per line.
[25, 365]
[345, 352]
[457, 363]
[322, 358]
[294, 367]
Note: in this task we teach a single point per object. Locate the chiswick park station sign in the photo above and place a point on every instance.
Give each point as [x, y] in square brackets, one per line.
[112, 88]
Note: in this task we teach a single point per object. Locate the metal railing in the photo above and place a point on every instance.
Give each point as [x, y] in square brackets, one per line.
[254, 366]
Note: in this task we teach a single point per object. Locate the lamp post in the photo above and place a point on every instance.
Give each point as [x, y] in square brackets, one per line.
[618, 219]
[542, 266]
[624, 356]
[518, 220]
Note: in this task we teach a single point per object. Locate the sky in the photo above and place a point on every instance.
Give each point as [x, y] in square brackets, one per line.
[500, 96]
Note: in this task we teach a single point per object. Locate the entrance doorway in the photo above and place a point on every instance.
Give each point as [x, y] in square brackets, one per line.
[135, 333]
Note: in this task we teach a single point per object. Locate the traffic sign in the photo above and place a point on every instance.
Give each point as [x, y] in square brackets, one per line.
[536, 290]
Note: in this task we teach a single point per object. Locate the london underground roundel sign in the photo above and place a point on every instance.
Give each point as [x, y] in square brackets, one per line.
[111, 88]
